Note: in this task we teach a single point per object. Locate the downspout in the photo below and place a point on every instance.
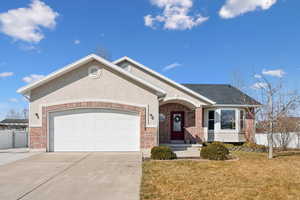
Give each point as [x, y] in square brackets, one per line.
[158, 99]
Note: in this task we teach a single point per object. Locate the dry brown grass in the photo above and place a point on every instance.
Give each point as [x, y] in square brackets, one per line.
[251, 177]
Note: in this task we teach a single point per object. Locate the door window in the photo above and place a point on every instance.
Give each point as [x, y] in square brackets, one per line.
[177, 122]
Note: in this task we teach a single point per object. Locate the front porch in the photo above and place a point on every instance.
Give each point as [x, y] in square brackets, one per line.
[181, 122]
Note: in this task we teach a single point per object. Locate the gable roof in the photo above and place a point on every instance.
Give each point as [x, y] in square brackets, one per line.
[158, 75]
[24, 90]
[223, 94]
[14, 121]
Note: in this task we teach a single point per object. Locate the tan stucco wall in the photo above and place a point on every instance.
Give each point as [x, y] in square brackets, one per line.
[78, 86]
[171, 90]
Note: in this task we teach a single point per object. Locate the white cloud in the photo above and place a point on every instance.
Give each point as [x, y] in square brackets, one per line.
[171, 66]
[13, 100]
[76, 41]
[257, 76]
[28, 47]
[6, 74]
[26, 23]
[276, 73]
[32, 78]
[234, 8]
[175, 15]
[259, 85]
[149, 21]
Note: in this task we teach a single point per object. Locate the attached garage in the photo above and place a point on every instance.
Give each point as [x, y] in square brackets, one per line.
[94, 129]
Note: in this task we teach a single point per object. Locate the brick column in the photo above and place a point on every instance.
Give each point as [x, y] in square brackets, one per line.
[199, 122]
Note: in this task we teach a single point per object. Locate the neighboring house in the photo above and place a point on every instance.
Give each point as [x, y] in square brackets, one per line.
[14, 124]
[97, 105]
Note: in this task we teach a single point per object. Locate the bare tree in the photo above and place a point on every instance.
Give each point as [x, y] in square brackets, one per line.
[238, 81]
[103, 52]
[25, 113]
[285, 126]
[13, 114]
[277, 103]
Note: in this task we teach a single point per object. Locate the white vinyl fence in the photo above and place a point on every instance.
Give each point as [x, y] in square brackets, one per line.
[291, 140]
[13, 139]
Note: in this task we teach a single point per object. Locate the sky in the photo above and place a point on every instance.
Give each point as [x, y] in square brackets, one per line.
[189, 41]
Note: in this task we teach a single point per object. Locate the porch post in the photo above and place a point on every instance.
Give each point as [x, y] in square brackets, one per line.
[250, 126]
[199, 122]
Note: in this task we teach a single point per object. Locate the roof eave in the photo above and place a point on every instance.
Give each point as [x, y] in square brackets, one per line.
[235, 105]
[25, 90]
[126, 58]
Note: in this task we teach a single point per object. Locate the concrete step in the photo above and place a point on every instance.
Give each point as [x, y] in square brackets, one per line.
[184, 147]
[178, 149]
[187, 154]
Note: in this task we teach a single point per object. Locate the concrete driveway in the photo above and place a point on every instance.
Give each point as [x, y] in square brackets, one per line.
[105, 175]
[12, 155]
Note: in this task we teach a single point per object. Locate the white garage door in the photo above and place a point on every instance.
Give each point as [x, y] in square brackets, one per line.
[94, 130]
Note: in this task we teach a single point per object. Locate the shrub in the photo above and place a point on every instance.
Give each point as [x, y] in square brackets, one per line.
[229, 146]
[215, 151]
[255, 147]
[162, 153]
[247, 147]
[205, 144]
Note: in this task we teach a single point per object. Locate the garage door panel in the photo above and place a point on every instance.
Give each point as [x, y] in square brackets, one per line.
[94, 130]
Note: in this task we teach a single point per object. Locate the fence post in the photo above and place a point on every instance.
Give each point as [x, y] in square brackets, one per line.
[13, 139]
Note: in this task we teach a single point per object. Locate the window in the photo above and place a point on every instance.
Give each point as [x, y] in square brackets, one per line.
[162, 117]
[177, 122]
[126, 66]
[228, 119]
[211, 120]
[242, 120]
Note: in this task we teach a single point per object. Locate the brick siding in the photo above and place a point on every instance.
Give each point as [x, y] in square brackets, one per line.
[193, 130]
[38, 135]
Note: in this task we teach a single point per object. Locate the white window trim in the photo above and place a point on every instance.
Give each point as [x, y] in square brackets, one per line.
[218, 129]
[207, 119]
[236, 115]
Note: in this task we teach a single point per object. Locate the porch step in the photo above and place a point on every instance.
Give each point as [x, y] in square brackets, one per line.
[177, 142]
[184, 147]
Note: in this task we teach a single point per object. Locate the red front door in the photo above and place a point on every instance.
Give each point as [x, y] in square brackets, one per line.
[177, 125]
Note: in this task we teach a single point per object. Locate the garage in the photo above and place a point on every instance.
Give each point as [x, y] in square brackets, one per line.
[94, 130]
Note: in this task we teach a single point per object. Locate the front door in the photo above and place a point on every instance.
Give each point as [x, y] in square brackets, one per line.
[177, 125]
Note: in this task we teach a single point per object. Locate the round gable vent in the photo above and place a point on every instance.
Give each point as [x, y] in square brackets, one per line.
[94, 72]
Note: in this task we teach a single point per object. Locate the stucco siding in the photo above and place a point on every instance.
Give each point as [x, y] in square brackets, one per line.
[171, 90]
[78, 86]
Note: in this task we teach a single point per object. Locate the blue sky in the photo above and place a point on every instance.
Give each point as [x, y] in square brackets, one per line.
[190, 41]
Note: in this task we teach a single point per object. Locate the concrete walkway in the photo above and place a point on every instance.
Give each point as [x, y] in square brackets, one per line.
[86, 176]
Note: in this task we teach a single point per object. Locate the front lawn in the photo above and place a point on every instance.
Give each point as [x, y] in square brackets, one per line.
[251, 177]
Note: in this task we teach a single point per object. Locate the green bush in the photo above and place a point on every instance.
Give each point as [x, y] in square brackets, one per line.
[215, 151]
[162, 153]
